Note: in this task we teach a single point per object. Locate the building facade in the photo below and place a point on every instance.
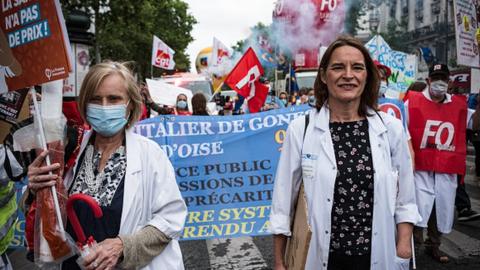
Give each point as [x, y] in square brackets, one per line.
[428, 24]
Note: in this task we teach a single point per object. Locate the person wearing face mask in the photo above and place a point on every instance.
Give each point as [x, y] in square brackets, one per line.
[311, 98]
[182, 105]
[394, 107]
[283, 98]
[437, 122]
[129, 176]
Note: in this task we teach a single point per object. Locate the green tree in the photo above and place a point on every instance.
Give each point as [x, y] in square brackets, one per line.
[124, 29]
[395, 35]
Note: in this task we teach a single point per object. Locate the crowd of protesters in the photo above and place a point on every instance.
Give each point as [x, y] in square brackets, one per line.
[418, 177]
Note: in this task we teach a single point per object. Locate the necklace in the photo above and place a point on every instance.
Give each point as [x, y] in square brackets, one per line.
[93, 181]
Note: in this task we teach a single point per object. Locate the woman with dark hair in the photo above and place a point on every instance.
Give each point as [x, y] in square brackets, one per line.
[199, 104]
[355, 166]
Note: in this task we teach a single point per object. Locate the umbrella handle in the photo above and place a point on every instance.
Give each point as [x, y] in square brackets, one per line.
[72, 216]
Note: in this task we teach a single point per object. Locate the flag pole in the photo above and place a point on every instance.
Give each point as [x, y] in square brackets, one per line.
[43, 142]
[290, 77]
[414, 262]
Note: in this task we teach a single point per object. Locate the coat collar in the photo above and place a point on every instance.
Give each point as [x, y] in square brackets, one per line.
[132, 150]
[321, 120]
[375, 122]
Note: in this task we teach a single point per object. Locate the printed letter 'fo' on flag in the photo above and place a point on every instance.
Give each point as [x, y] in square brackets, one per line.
[244, 79]
[162, 55]
[220, 52]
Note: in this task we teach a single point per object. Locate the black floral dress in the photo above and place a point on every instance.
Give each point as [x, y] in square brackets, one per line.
[352, 208]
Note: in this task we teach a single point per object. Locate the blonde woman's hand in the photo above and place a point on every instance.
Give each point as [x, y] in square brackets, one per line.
[38, 175]
[105, 255]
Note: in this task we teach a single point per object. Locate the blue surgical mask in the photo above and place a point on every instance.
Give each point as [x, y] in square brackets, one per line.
[182, 104]
[283, 101]
[107, 120]
[311, 100]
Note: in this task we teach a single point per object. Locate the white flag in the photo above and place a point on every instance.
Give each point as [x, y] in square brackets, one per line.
[162, 55]
[220, 52]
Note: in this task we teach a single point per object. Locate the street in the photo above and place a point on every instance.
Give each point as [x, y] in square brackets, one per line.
[462, 245]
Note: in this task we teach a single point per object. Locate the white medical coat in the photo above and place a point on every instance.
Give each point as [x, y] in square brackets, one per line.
[151, 197]
[394, 193]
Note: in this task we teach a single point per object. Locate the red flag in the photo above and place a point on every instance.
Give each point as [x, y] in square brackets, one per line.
[244, 79]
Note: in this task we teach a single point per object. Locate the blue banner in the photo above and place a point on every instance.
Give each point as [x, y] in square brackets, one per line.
[225, 167]
[19, 240]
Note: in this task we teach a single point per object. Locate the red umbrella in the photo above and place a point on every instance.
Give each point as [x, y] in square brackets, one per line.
[72, 216]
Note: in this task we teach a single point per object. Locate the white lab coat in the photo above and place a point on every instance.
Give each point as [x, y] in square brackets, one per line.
[151, 197]
[394, 193]
[438, 188]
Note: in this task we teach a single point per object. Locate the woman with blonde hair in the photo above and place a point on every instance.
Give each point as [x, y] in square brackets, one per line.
[129, 176]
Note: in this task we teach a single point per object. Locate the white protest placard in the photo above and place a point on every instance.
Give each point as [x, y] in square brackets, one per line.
[465, 33]
[403, 65]
[166, 94]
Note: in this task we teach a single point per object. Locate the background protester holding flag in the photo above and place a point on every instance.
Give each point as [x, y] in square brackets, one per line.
[129, 176]
[356, 169]
[437, 122]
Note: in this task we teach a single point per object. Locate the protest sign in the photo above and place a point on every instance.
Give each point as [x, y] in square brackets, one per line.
[81, 62]
[34, 45]
[403, 66]
[10, 105]
[466, 32]
[225, 167]
[166, 94]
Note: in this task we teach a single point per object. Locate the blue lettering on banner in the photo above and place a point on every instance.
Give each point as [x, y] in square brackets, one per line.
[29, 33]
[225, 167]
[403, 65]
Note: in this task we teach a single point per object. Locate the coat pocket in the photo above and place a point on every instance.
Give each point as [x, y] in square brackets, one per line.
[401, 263]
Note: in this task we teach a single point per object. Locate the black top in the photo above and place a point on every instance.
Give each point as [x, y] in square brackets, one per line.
[352, 209]
[109, 196]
